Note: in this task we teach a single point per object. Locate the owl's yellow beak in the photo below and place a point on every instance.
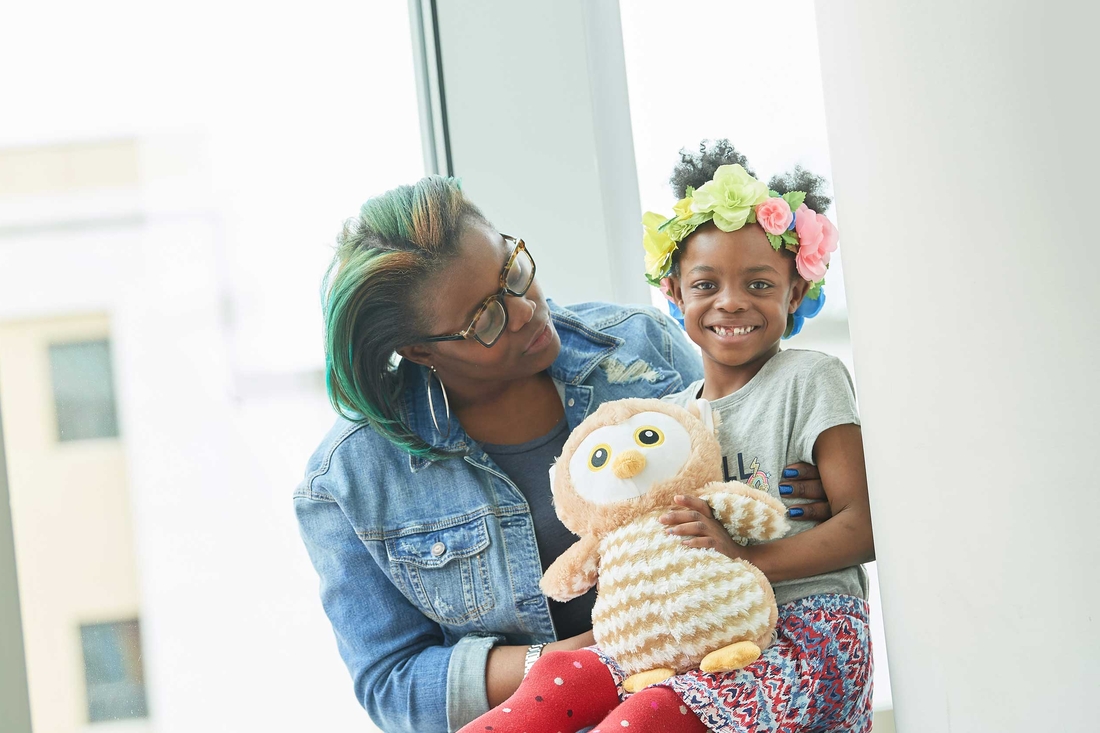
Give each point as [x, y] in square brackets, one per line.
[628, 464]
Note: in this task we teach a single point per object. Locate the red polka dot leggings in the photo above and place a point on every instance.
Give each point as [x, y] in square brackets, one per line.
[569, 691]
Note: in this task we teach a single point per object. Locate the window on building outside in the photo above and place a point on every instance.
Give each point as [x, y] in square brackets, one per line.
[112, 671]
[83, 389]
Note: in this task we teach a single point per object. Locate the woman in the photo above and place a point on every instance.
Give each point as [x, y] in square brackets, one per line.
[426, 510]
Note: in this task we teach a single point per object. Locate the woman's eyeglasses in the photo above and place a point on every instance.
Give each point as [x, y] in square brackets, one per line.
[491, 318]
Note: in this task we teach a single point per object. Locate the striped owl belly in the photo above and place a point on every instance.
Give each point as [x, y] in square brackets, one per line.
[661, 604]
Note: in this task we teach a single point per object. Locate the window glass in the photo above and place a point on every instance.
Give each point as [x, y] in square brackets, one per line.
[175, 177]
[112, 670]
[83, 390]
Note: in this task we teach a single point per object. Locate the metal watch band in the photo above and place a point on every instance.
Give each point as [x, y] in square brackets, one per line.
[533, 653]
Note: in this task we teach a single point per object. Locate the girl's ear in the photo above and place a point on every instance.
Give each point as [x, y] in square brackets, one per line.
[798, 292]
[674, 293]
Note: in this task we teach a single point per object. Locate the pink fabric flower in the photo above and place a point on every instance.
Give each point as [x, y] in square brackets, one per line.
[816, 243]
[774, 215]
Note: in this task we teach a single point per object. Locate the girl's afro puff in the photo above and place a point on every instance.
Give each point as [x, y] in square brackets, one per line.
[695, 169]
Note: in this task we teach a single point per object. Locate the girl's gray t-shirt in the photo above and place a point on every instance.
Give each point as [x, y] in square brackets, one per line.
[774, 421]
[528, 466]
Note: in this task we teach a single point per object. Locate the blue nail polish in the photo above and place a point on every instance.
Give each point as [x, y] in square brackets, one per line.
[790, 473]
[795, 512]
[784, 489]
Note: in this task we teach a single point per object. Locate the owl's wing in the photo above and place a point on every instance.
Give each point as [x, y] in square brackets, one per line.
[746, 513]
[574, 572]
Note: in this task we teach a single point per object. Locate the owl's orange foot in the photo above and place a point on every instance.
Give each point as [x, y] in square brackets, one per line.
[636, 682]
[729, 658]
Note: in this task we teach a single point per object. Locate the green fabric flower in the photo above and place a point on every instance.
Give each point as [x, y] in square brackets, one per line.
[730, 197]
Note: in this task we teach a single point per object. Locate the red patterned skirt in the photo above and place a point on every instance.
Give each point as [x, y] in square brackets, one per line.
[817, 676]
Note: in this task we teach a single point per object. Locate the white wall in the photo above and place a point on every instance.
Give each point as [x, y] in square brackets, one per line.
[540, 135]
[963, 141]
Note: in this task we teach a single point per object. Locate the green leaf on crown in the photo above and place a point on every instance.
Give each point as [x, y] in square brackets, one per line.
[794, 199]
[689, 192]
[751, 218]
[774, 194]
[790, 237]
[776, 241]
[815, 290]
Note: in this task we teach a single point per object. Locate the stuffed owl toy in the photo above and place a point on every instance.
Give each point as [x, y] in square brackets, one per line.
[662, 608]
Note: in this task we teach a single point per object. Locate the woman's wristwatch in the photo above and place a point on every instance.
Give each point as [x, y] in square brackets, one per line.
[533, 653]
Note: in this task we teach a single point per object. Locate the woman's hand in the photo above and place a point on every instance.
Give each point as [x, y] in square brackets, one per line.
[697, 525]
[504, 669]
[802, 481]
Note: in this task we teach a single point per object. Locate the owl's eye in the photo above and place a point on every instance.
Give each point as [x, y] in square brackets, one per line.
[648, 437]
[600, 455]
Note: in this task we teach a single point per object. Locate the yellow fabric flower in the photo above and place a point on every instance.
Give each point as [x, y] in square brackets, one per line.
[685, 222]
[682, 209]
[729, 197]
[658, 246]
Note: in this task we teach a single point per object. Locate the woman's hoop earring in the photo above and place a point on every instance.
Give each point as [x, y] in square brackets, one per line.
[446, 403]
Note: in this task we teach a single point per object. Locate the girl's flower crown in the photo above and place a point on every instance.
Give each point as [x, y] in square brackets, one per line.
[732, 199]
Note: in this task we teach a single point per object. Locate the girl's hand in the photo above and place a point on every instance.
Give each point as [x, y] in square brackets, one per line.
[802, 481]
[697, 525]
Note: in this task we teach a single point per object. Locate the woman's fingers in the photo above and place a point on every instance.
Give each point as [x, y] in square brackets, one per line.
[802, 489]
[814, 511]
[801, 471]
[803, 481]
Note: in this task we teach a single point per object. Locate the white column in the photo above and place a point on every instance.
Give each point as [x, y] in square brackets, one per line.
[538, 126]
[963, 139]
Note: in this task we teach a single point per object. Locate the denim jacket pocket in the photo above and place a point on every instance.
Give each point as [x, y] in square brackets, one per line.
[445, 568]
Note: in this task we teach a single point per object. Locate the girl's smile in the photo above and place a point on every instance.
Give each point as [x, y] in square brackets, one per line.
[732, 332]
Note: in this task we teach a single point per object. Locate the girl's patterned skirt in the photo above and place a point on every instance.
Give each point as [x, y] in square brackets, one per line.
[817, 676]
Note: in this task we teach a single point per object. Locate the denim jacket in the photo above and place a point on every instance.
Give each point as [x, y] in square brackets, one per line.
[425, 565]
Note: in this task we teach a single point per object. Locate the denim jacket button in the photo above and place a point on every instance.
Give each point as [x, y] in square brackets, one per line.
[572, 402]
[438, 549]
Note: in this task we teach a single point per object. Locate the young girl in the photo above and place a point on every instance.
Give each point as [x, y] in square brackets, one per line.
[745, 265]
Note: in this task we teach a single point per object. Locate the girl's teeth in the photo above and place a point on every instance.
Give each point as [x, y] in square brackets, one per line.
[741, 331]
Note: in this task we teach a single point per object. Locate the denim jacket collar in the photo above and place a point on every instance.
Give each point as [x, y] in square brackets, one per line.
[582, 349]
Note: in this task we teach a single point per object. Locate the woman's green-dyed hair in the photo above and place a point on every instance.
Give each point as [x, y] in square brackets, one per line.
[383, 259]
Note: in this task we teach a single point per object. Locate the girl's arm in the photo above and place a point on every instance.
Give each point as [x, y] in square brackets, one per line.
[842, 541]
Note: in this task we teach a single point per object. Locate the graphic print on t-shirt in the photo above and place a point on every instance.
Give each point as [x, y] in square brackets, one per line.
[755, 476]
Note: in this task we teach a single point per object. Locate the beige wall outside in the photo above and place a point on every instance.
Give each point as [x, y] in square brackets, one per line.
[71, 519]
